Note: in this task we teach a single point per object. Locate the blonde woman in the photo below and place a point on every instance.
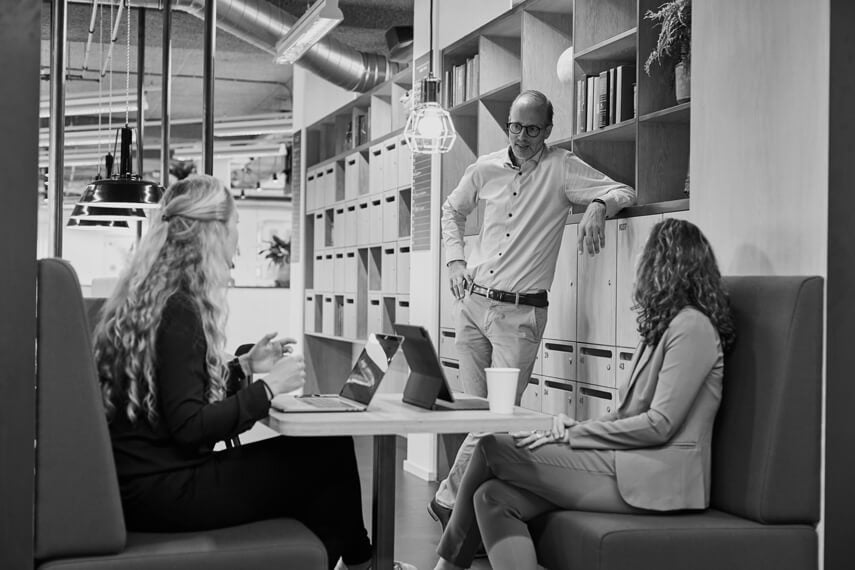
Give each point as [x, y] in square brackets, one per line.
[171, 394]
[650, 455]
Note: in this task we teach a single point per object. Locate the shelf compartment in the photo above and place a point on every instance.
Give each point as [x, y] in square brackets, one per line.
[620, 132]
[545, 37]
[677, 114]
[598, 21]
[663, 161]
[468, 108]
[618, 49]
[499, 62]
[492, 117]
[388, 315]
[504, 93]
[375, 264]
[552, 7]
[404, 212]
[616, 158]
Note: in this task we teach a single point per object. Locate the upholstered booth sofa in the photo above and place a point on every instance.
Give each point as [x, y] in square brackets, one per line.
[766, 457]
[79, 521]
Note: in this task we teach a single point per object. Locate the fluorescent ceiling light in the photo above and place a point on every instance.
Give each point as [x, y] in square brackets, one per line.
[92, 104]
[275, 124]
[232, 151]
[323, 16]
[85, 136]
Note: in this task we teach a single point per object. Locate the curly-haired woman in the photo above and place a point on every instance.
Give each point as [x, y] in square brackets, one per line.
[171, 394]
[651, 454]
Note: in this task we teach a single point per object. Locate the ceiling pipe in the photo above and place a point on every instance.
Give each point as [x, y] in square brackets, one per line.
[260, 23]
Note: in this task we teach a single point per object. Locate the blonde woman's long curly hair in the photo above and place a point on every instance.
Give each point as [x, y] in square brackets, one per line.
[186, 249]
[678, 269]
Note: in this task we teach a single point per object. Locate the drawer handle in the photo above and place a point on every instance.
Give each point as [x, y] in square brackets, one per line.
[587, 351]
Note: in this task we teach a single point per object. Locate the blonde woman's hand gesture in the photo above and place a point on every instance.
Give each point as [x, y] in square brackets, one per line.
[287, 375]
[264, 355]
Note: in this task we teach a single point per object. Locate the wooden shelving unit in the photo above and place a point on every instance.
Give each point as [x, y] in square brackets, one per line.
[358, 197]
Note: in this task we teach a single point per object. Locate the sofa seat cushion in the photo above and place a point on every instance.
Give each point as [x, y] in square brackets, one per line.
[276, 543]
[709, 540]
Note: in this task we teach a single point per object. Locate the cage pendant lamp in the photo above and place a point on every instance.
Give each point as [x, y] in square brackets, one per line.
[429, 128]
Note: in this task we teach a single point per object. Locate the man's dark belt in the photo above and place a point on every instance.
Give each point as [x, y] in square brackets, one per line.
[534, 299]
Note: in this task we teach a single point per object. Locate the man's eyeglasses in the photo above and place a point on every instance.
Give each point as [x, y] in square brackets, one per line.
[530, 130]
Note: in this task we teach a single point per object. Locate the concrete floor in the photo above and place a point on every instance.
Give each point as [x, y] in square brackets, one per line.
[416, 534]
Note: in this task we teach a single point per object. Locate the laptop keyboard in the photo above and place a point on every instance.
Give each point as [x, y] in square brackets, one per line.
[320, 402]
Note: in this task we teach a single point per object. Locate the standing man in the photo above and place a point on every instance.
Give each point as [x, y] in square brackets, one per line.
[501, 292]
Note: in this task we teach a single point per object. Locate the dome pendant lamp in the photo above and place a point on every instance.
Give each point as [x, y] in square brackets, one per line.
[429, 128]
[126, 189]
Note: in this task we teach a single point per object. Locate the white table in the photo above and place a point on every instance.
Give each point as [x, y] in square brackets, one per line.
[387, 417]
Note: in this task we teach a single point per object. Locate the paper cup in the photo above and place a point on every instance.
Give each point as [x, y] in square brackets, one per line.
[502, 389]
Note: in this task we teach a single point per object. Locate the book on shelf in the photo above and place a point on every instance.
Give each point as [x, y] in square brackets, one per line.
[612, 95]
[448, 89]
[459, 94]
[589, 109]
[581, 102]
[470, 79]
[624, 104]
[602, 118]
[476, 74]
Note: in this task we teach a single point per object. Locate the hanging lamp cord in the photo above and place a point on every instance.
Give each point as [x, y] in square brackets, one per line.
[100, 80]
[430, 51]
[128, 63]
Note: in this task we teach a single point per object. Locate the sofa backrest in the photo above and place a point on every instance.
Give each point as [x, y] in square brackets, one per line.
[766, 444]
[78, 510]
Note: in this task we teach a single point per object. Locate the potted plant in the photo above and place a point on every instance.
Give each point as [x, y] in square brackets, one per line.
[278, 254]
[675, 42]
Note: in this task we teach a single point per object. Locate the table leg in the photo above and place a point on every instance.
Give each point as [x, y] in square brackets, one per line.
[383, 519]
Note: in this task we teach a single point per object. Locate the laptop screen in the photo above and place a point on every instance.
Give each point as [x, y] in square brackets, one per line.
[370, 367]
[424, 366]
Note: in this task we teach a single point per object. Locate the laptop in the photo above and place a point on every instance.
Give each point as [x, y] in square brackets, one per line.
[359, 386]
[427, 387]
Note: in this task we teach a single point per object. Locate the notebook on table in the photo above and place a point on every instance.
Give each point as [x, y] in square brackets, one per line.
[427, 387]
[359, 386]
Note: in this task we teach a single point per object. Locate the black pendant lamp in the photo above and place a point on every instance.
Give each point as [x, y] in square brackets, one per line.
[126, 189]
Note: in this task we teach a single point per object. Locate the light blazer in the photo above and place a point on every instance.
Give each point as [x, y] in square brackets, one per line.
[662, 430]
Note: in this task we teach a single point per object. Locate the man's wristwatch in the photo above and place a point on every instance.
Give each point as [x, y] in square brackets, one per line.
[598, 201]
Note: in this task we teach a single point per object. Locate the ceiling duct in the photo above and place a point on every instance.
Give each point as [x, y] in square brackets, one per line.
[262, 24]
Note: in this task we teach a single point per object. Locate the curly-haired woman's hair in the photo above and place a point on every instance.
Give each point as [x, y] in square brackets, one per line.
[678, 269]
[186, 249]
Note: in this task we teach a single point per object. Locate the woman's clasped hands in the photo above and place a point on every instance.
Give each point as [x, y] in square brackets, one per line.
[558, 433]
